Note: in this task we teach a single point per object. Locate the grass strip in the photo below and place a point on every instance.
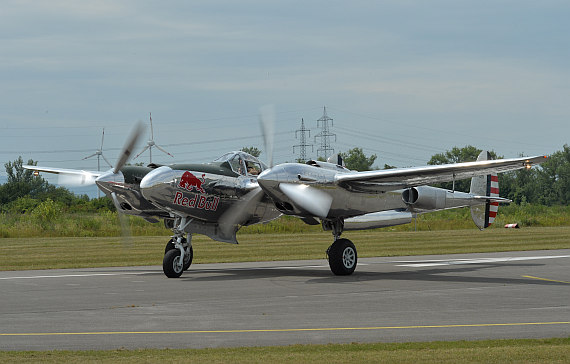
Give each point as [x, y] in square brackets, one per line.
[555, 350]
[92, 252]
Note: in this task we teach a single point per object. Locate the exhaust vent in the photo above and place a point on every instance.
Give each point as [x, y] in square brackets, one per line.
[410, 196]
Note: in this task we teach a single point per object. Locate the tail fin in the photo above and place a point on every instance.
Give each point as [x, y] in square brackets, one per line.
[484, 215]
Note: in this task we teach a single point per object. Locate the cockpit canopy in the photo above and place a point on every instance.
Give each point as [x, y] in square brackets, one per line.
[243, 163]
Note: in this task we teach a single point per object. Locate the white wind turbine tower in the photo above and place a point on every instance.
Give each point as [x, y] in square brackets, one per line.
[99, 154]
[150, 143]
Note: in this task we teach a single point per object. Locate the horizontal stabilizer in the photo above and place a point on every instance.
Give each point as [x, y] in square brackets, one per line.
[492, 198]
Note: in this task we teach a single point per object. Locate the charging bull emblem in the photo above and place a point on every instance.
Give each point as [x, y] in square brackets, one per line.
[190, 182]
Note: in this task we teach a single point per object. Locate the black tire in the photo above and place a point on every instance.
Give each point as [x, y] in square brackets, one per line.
[169, 266]
[170, 245]
[187, 258]
[342, 257]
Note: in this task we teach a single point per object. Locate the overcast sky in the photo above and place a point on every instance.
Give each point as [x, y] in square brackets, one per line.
[401, 79]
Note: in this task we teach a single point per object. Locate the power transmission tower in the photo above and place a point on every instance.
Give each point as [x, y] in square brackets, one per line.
[301, 134]
[325, 150]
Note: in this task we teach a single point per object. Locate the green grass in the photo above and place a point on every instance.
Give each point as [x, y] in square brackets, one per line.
[87, 252]
[488, 351]
[106, 224]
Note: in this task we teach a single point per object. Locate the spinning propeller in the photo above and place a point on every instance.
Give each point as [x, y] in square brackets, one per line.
[267, 123]
[239, 213]
[314, 201]
[130, 145]
[310, 199]
[116, 176]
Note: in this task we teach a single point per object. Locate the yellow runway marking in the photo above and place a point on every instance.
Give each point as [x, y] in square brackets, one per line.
[545, 279]
[280, 330]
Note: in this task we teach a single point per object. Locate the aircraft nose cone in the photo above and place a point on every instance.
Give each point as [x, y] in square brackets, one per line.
[270, 178]
[156, 181]
[109, 179]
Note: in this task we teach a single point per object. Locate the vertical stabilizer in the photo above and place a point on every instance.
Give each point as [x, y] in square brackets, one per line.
[484, 215]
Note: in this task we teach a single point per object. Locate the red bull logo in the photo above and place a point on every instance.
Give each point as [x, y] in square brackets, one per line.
[200, 200]
[190, 182]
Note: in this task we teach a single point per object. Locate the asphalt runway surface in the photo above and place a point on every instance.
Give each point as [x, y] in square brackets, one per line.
[396, 299]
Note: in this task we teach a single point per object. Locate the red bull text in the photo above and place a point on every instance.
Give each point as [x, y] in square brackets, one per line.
[201, 202]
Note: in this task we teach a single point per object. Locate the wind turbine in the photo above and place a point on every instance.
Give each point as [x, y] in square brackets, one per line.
[99, 154]
[150, 143]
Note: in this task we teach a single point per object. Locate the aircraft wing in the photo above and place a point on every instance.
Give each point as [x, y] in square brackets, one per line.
[393, 179]
[69, 176]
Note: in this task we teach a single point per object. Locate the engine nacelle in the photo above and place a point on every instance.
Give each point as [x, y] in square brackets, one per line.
[425, 198]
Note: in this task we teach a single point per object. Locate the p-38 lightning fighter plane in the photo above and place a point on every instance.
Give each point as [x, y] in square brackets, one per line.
[217, 198]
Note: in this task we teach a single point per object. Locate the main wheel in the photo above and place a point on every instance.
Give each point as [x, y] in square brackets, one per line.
[170, 264]
[342, 257]
[188, 256]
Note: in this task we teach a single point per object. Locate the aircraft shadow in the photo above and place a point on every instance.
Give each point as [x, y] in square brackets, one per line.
[319, 275]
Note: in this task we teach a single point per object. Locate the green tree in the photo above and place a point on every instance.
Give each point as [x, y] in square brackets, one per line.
[254, 151]
[468, 153]
[21, 182]
[520, 186]
[355, 159]
[547, 184]
[458, 155]
[553, 179]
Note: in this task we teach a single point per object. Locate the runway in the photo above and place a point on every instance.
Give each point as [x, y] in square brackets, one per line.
[396, 299]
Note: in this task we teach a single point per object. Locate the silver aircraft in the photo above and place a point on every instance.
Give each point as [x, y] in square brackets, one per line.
[217, 198]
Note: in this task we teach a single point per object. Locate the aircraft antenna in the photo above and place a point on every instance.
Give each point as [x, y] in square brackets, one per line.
[301, 134]
[325, 150]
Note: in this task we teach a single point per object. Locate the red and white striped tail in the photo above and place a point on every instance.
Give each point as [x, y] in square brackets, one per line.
[484, 214]
[493, 206]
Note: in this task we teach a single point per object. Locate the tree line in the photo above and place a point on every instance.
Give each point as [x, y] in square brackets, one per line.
[547, 184]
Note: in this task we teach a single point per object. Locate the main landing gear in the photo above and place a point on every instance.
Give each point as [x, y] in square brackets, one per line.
[341, 254]
[178, 252]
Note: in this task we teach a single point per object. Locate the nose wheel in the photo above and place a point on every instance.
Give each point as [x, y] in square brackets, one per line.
[178, 255]
[188, 252]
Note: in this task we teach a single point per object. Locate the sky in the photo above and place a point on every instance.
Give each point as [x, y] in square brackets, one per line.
[401, 79]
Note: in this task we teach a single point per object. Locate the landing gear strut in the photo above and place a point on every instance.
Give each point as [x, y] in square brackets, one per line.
[178, 253]
[342, 253]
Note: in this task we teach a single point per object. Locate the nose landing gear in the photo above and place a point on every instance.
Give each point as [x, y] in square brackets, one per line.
[178, 253]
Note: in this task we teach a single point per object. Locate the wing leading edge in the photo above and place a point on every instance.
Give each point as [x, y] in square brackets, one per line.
[72, 177]
[393, 179]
